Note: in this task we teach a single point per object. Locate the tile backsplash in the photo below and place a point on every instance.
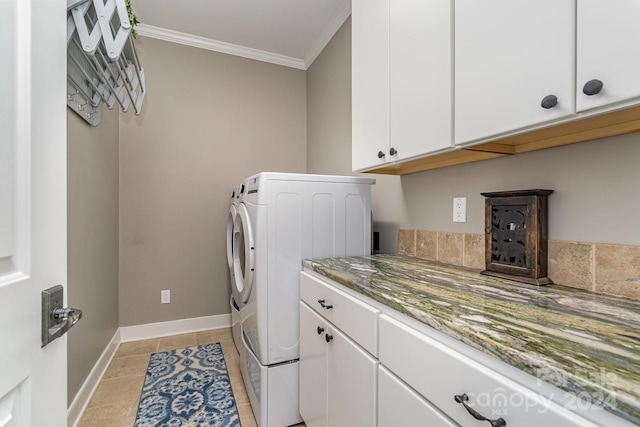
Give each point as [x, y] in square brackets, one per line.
[599, 267]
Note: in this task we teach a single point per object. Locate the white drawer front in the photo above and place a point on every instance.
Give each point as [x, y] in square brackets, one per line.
[355, 318]
[439, 373]
[399, 405]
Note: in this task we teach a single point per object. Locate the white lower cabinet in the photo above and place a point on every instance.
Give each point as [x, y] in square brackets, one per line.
[338, 364]
[338, 379]
[364, 365]
[399, 405]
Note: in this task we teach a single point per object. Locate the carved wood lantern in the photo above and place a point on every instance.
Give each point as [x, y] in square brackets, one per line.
[516, 235]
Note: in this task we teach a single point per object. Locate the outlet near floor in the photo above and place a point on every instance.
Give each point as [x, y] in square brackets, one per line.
[165, 296]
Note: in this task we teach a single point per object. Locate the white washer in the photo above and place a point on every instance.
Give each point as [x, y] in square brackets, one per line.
[236, 327]
[282, 219]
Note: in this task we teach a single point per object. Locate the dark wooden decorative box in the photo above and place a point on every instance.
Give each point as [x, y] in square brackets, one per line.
[516, 235]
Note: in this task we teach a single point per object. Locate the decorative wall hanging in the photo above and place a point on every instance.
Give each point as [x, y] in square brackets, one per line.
[102, 62]
[516, 235]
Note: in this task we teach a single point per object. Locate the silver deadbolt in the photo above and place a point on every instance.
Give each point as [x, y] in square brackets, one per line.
[56, 320]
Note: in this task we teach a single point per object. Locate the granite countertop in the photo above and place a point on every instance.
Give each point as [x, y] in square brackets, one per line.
[579, 341]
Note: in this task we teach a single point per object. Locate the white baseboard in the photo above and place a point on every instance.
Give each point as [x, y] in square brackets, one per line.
[174, 327]
[136, 333]
[80, 402]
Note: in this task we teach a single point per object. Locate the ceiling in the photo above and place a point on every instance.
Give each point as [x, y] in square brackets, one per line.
[285, 32]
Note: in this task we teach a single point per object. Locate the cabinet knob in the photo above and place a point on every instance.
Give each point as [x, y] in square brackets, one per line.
[592, 87]
[328, 337]
[320, 330]
[549, 101]
[393, 151]
[463, 398]
[380, 154]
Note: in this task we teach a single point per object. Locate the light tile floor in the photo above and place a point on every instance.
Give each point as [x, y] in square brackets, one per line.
[115, 402]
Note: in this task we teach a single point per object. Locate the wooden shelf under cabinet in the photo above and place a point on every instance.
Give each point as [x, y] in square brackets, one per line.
[617, 122]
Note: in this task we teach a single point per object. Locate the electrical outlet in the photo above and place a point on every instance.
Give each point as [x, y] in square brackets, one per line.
[165, 296]
[459, 209]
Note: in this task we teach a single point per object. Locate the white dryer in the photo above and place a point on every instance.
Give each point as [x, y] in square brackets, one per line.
[281, 220]
[233, 302]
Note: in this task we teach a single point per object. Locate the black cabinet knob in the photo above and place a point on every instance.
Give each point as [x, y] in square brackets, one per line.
[328, 337]
[592, 87]
[380, 154]
[393, 151]
[320, 330]
[549, 101]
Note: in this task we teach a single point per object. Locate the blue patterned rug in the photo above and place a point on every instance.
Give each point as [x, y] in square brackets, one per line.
[187, 387]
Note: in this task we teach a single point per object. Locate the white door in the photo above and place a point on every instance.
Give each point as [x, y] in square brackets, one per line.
[313, 367]
[420, 76]
[510, 55]
[607, 34]
[352, 382]
[370, 84]
[33, 257]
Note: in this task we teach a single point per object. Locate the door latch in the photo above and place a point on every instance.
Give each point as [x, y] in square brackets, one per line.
[56, 320]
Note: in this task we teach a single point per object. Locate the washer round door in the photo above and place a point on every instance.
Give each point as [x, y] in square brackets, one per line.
[230, 219]
[243, 253]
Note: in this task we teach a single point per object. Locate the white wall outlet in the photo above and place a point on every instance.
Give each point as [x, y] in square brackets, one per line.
[459, 209]
[165, 296]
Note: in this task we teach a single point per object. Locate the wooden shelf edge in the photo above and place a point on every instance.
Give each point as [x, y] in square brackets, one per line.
[585, 129]
[437, 161]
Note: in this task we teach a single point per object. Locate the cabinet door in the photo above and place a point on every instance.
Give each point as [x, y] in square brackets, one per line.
[420, 74]
[607, 45]
[370, 83]
[399, 405]
[509, 56]
[352, 383]
[313, 368]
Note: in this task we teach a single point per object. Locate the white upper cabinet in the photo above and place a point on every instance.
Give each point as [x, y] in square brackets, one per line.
[369, 82]
[511, 57]
[401, 80]
[420, 74]
[607, 52]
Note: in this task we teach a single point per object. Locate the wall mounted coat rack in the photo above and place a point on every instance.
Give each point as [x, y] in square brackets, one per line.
[102, 62]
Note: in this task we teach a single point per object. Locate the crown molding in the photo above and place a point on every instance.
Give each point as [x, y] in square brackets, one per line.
[218, 46]
[327, 34]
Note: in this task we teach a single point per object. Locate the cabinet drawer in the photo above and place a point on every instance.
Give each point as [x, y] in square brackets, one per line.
[439, 373]
[355, 318]
[399, 405]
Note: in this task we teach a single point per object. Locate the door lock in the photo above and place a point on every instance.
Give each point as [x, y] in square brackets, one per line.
[56, 320]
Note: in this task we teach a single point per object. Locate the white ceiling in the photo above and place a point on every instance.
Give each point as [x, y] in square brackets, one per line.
[286, 32]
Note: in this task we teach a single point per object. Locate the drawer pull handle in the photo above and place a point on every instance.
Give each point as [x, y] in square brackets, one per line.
[462, 398]
[328, 337]
[327, 306]
[320, 330]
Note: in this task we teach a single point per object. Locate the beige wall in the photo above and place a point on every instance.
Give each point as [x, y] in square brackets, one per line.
[329, 134]
[92, 206]
[594, 199]
[209, 121]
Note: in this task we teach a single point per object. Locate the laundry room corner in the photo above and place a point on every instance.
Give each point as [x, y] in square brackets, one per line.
[218, 119]
[329, 136]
